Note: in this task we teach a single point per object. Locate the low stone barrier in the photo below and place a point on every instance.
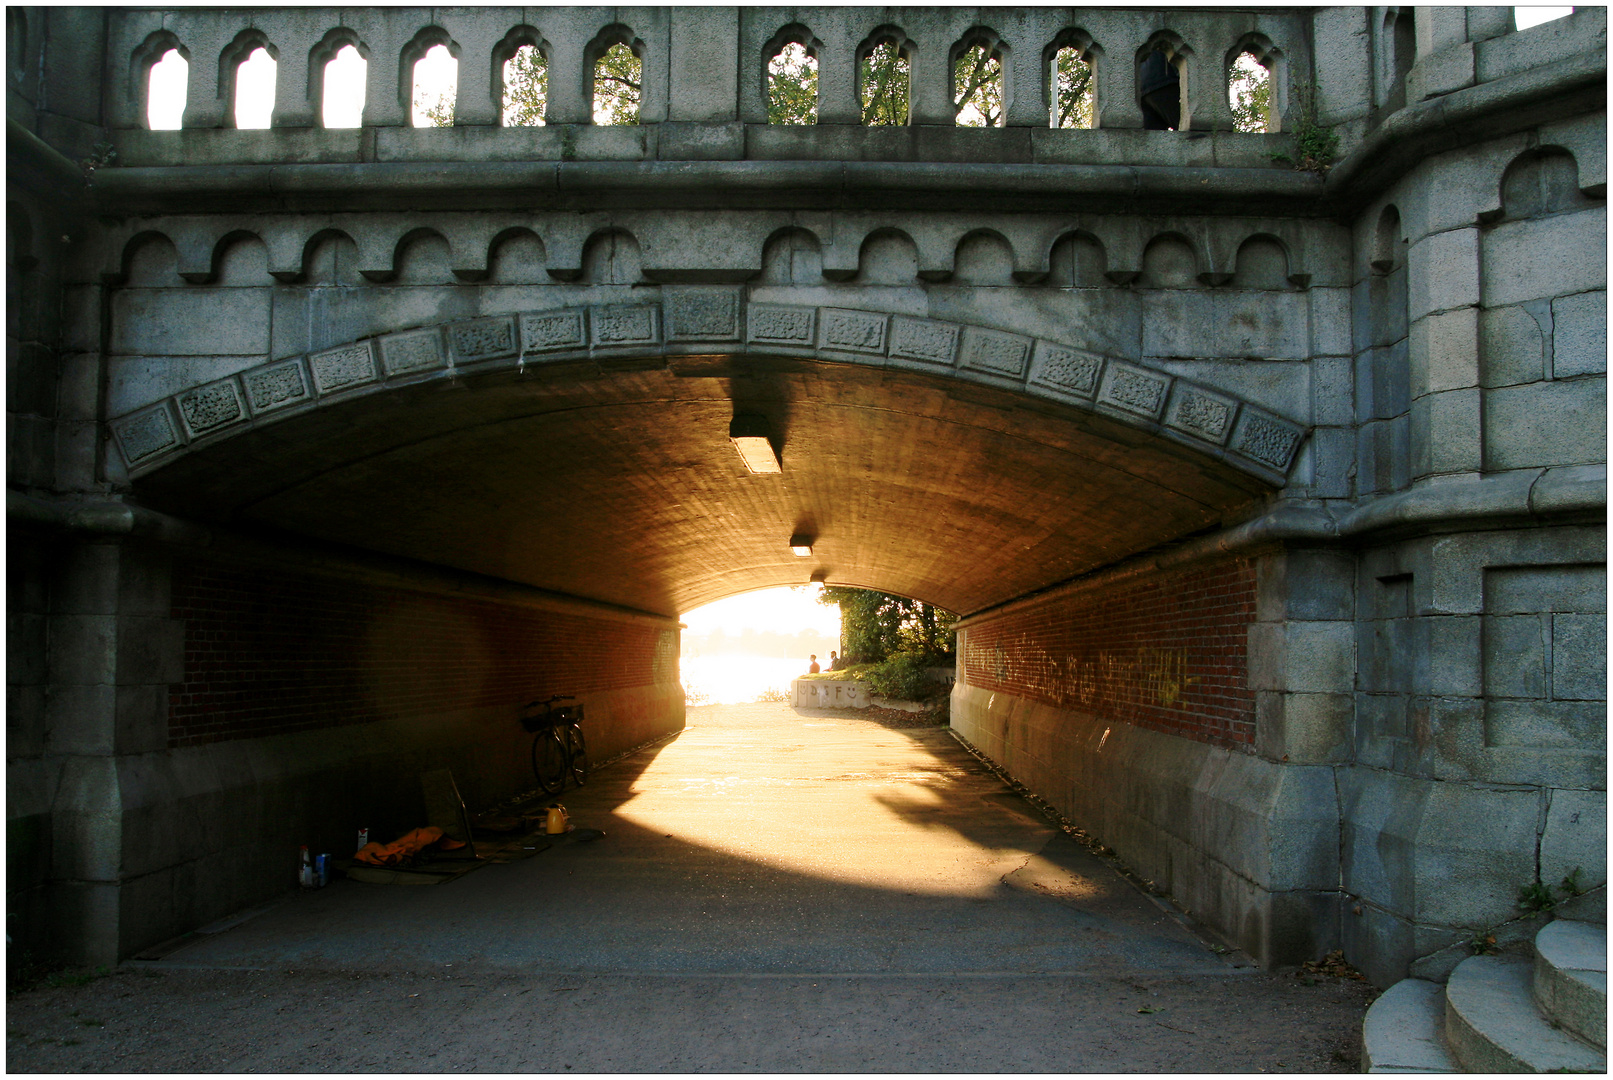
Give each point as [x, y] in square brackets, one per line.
[830, 694]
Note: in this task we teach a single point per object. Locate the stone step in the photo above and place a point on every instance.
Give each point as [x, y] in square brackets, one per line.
[1493, 1025]
[1570, 980]
[1404, 1030]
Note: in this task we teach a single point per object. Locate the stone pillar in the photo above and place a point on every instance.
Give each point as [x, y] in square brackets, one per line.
[705, 64]
[476, 104]
[113, 653]
[930, 84]
[1443, 294]
[1302, 656]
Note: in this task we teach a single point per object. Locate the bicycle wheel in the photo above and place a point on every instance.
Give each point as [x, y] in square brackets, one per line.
[578, 749]
[549, 760]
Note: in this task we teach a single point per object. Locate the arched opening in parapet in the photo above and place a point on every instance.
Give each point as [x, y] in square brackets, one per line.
[792, 76]
[435, 84]
[342, 88]
[167, 77]
[884, 63]
[522, 63]
[977, 80]
[1072, 87]
[615, 62]
[1255, 89]
[254, 79]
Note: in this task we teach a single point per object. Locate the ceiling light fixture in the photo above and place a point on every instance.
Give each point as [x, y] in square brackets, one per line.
[751, 437]
[801, 546]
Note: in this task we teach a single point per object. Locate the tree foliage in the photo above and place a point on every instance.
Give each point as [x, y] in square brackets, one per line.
[792, 87]
[884, 78]
[876, 625]
[618, 86]
[1072, 83]
[977, 88]
[526, 88]
[1249, 92]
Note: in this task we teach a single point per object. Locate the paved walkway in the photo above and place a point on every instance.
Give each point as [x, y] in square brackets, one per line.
[778, 889]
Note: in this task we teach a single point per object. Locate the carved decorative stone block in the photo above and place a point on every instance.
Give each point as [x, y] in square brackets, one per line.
[1133, 389]
[994, 353]
[851, 331]
[1065, 370]
[210, 407]
[339, 369]
[1266, 439]
[779, 324]
[701, 314]
[1201, 413]
[924, 340]
[276, 386]
[416, 350]
[624, 325]
[147, 433]
[552, 331]
[483, 339]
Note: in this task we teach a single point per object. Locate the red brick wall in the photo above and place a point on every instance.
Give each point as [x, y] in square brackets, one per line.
[268, 653]
[1165, 652]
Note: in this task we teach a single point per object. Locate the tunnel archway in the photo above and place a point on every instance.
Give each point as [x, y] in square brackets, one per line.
[605, 470]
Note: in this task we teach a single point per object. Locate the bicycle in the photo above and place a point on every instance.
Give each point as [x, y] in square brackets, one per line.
[558, 746]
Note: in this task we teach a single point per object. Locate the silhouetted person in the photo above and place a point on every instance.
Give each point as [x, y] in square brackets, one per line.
[812, 668]
[1160, 88]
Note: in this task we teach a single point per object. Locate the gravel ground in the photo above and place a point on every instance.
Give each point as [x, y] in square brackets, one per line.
[777, 891]
[241, 1021]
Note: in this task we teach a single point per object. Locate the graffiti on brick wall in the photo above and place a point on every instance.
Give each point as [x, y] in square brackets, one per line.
[1168, 652]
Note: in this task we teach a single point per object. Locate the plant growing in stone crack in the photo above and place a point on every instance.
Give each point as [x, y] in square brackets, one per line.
[1317, 146]
[102, 155]
[1537, 896]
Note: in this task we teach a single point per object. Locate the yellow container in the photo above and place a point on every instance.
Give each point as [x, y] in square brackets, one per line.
[558, 821]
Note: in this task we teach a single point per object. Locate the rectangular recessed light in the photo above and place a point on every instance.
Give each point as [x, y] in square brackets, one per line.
[750, 435]
[801, 546]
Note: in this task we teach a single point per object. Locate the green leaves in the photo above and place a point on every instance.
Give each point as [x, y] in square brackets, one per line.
[792, 87]
[526, 86]
[618, 86]
[1249, 86]
[875, 625]
[884, 74]
[1072, 82]
[977, 85]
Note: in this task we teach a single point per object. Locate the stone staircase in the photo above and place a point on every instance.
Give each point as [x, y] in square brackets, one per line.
[1500, 1013]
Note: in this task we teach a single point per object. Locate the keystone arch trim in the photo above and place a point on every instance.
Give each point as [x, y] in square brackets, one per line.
[704, 322]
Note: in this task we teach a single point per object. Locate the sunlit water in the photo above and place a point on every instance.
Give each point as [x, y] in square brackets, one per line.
[734, 680]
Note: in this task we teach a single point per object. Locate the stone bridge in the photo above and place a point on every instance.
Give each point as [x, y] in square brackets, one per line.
[1273, 500]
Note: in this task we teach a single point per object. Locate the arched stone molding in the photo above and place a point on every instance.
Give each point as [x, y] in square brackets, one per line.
[704, 321]
[671, 257]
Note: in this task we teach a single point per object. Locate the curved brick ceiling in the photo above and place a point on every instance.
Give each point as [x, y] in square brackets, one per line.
[623, 486]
